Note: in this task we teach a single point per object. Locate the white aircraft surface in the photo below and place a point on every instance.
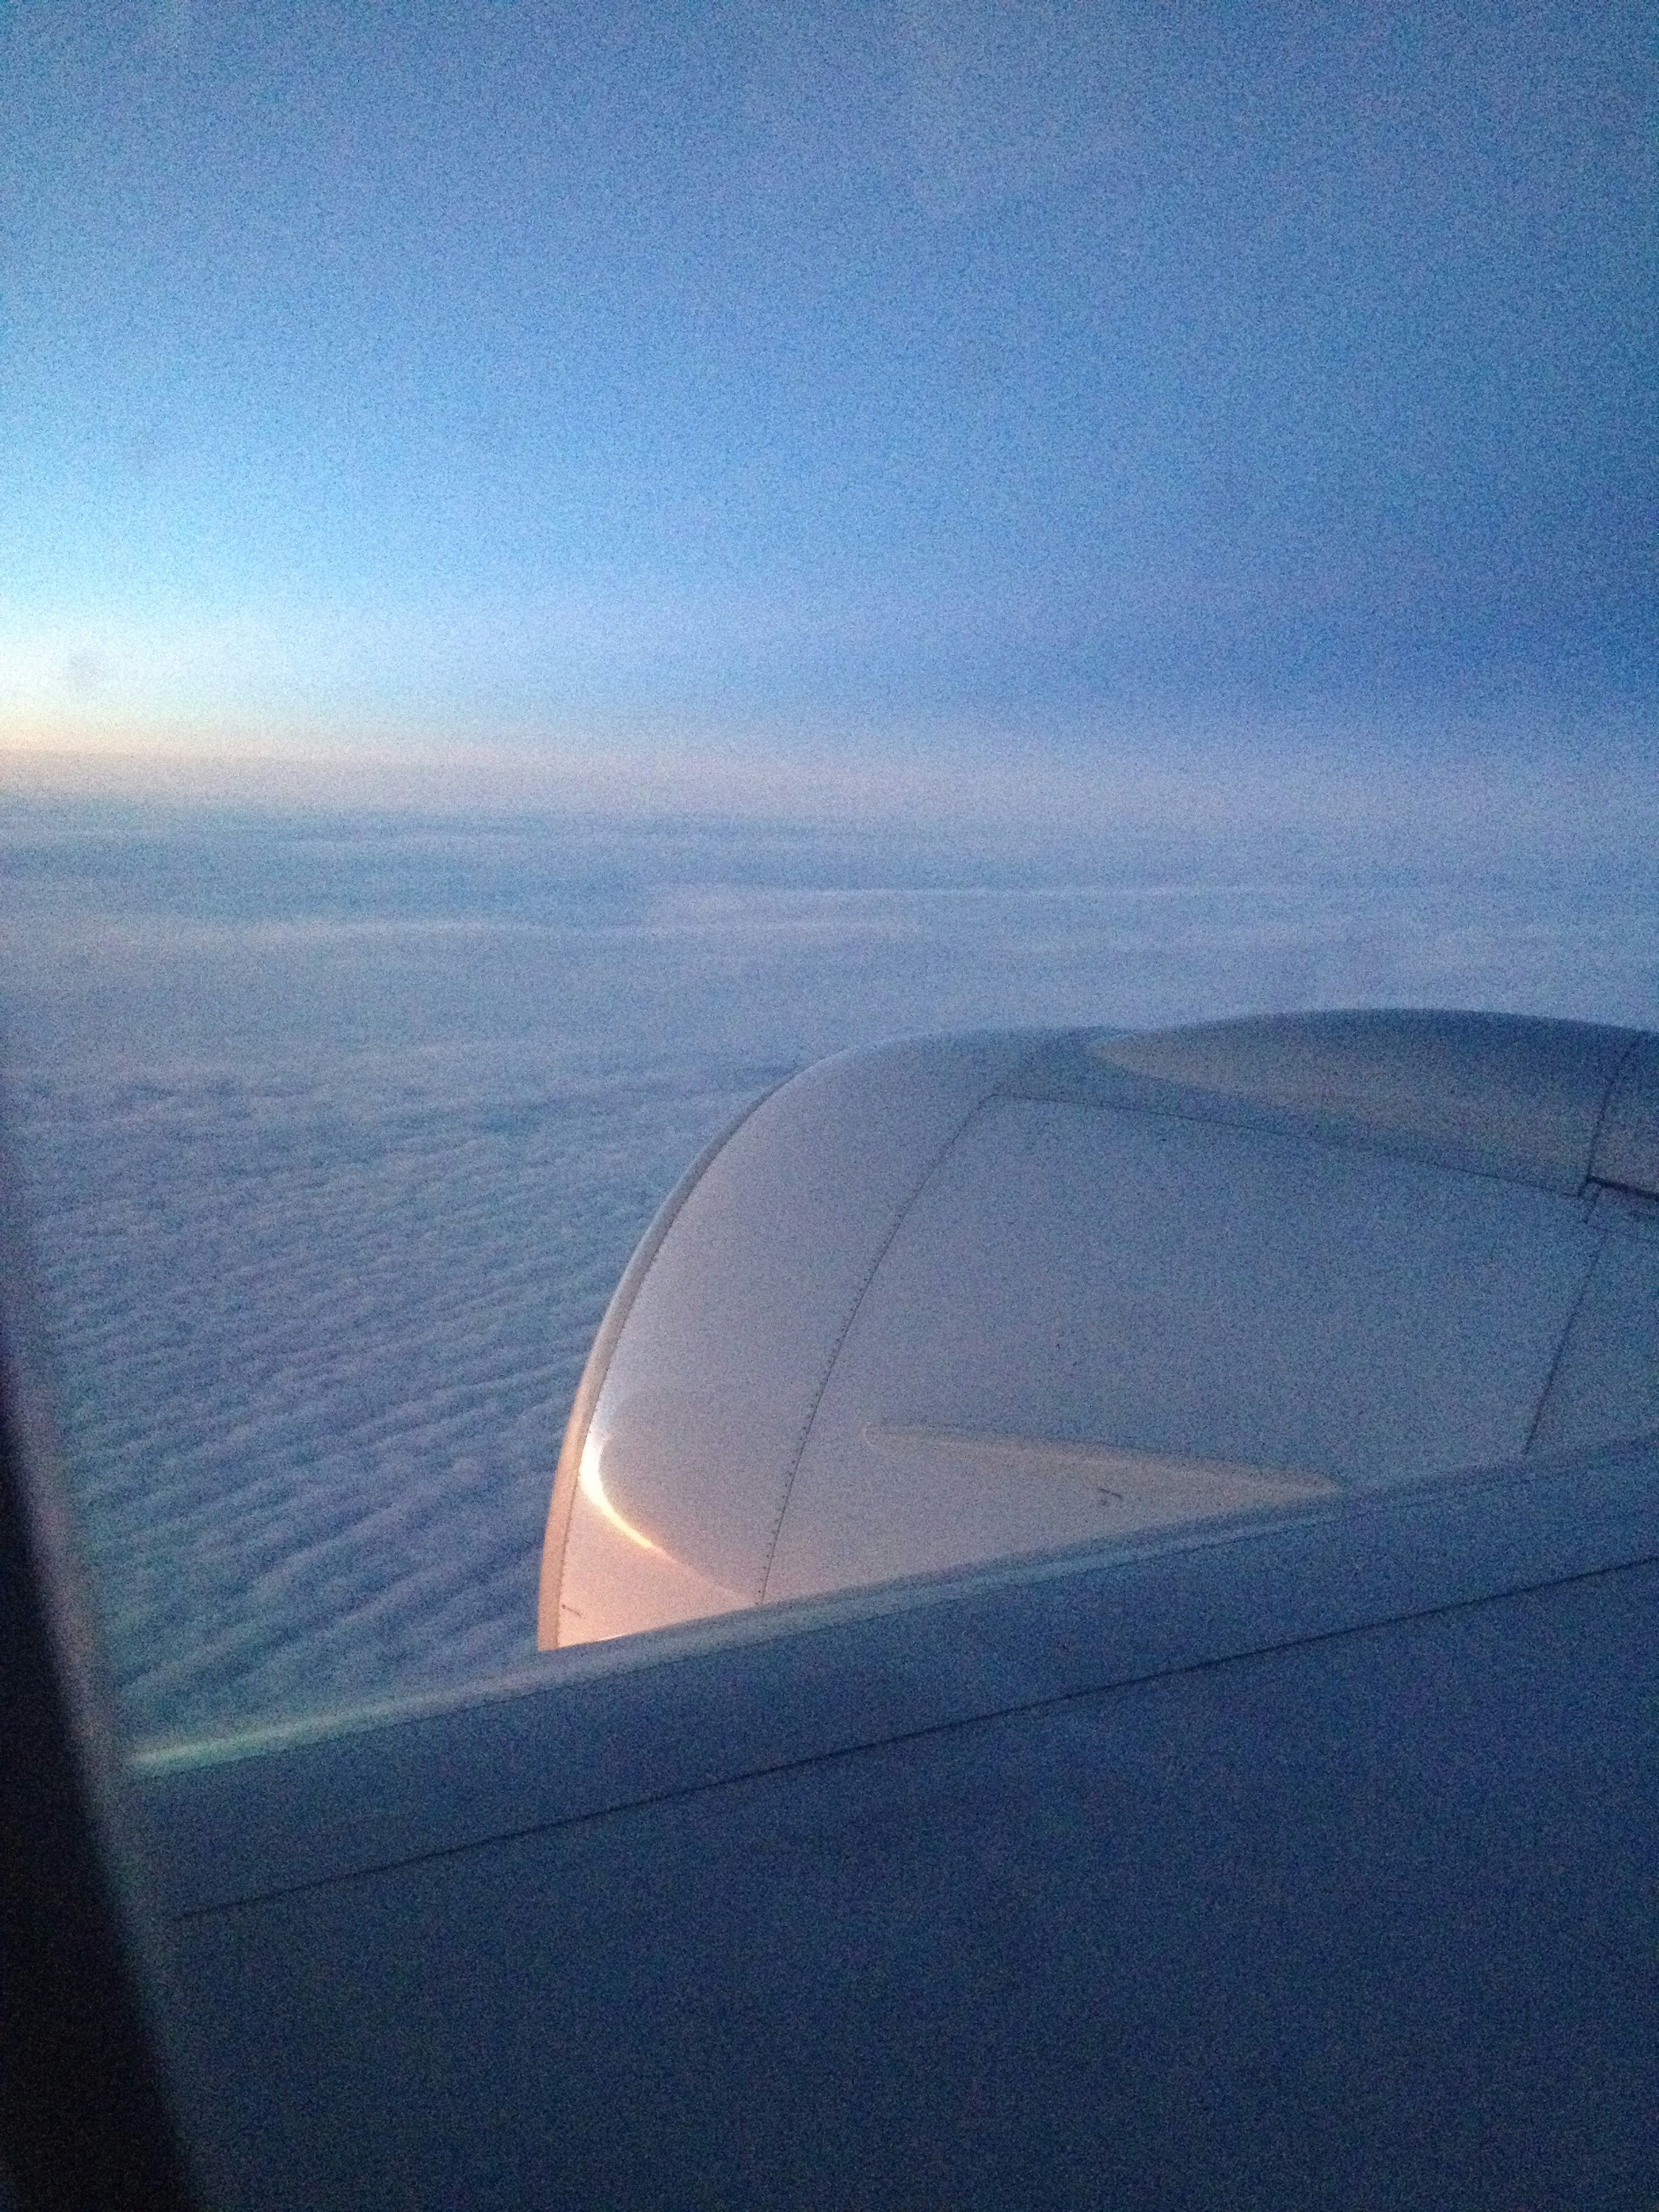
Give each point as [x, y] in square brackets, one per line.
[1107, 1591]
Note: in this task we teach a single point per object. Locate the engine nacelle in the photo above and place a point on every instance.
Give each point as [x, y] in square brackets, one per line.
[955, 1299]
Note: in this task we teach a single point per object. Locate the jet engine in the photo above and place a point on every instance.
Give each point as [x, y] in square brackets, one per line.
[960, 1298]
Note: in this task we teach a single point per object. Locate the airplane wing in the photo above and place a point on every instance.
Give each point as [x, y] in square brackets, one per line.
[1283, 1835]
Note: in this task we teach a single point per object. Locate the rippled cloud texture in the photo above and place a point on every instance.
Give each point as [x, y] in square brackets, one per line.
[338, 1131]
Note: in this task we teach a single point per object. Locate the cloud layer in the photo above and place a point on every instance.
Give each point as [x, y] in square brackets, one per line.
[336, 1133]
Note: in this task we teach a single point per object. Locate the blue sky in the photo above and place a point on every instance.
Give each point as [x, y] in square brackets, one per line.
[1047, 380]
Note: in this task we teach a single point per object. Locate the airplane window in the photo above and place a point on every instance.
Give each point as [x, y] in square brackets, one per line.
[566, 567]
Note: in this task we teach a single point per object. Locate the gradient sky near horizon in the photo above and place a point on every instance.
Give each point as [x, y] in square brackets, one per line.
[1048, 375]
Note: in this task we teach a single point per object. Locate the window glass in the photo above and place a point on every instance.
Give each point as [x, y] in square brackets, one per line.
[562, 565]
